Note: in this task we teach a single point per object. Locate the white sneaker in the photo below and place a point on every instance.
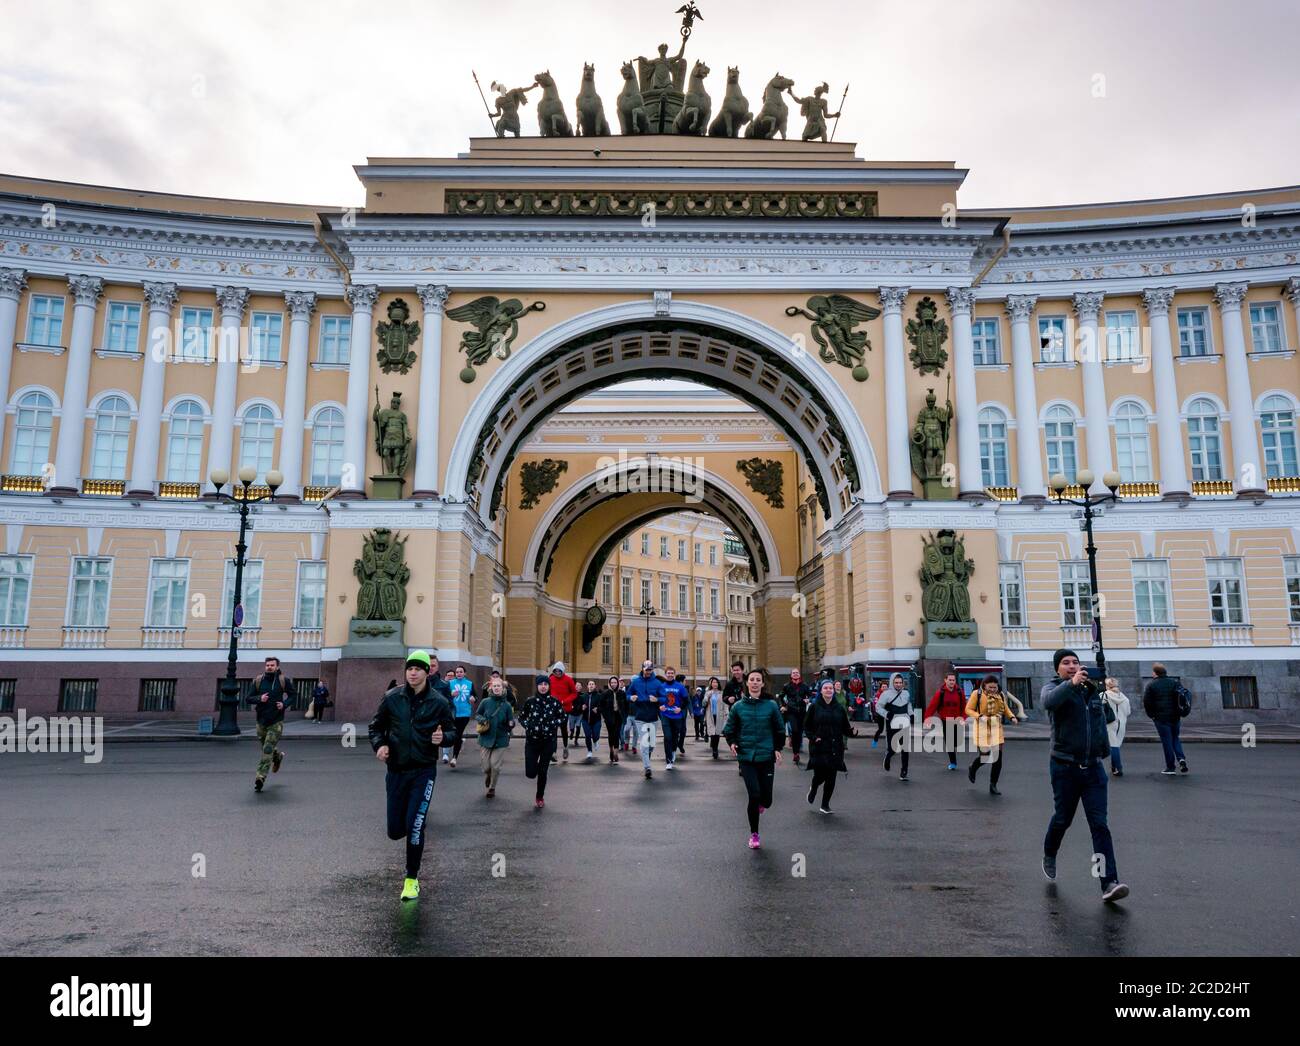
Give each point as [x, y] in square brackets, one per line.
[445, 758]
[670, 767]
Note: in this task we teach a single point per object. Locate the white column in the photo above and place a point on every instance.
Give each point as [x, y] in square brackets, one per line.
[1169, 429]
[86, 292]
[301, 305]
[362, 299]
[233, 302]
[1249, 478]
[1087, 307]
[970, 480]
[1029, 458]
[896, 428]
[161, 298]
[12, 284]
[434, 298]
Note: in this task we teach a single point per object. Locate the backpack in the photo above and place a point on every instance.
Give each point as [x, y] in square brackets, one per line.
[1184, 701]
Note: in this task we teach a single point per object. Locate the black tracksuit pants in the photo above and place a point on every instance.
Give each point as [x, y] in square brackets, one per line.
[409, 795]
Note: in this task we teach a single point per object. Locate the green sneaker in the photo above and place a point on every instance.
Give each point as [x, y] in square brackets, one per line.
[411, 890]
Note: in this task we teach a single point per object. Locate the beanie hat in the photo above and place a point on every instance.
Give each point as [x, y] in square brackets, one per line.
[543, 679]
[419, 658]
[1060, 656]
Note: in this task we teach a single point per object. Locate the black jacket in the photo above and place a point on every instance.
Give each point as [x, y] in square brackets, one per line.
[541, 716]
[587, 705]
[733, 690]
[1160, 699]
[826, 727]
[794, 699]
[613, 702]
[1079, 717]
[405, 722]
[279, 690]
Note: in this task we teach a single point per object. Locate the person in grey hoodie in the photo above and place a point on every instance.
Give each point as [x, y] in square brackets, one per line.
[1079, 744]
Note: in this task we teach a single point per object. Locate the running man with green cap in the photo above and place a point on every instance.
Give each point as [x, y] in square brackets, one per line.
[410, 725]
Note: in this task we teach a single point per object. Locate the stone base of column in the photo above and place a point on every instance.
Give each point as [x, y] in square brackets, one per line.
[1179, 496]
[423, 495]
[1258, 492]
[1033, 499]
[973, 495]
[903, 495]
[350, 495]
[288, 499]
[141, 495]
[61, 492]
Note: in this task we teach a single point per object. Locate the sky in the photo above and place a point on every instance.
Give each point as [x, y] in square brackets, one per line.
[1045, 101]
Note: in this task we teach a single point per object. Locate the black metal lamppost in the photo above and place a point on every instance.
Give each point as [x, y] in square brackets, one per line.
[1090, 503]
[647, 612]
[228, 722]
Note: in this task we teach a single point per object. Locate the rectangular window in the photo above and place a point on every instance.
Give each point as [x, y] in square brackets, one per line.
[607, 589]
[1227, 583]
[627, 544]
[250, 594]
[663, 547]
[45, 321]
[88, 605]
[1203, 443]
[1291, 566]
[1076, 595]
[625, 591]
[1151, 591]
[699, 599]
[78, 695]
[122, 330]
[15, 586]
[698, 553]
[1011, 586]
[265, 332]
[1051, 339]
[682, 605]
[713, 656]
[1266, 328]
[699, 653]
[713, 555]
[713, 602]
[645, 544]
[606, 651]
[8, 694]
[663, 596]
[681, 654]
[681, 549]
[196, 334]
[311, 595]
[157, 695]
[984, 333]
[169, 582]
[335, 339]
[1123, 340]
[626, 651]
[1193, 332]
[1239, 691]
[645, 591]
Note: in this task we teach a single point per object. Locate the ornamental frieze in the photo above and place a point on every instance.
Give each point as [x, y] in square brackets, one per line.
[541, 203]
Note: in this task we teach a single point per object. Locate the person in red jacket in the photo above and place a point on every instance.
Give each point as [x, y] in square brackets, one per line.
[949, 704]
[564, 690]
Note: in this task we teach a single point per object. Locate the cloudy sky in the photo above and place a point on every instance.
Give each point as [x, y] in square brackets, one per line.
[1046, 101]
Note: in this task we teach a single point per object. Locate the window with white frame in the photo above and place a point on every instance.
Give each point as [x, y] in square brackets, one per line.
[169, 582]
[625, 592]
[713, 602]
[1062, 448]
[1226, 582]
[607, 589]
[645, 591]
[1011, 588]
[33, 423]
[265, 332]
[196, 334]
[310, 612]
[1123, 339]
[112, 433]
[1277, 431]
[681, 654]
[681, 549]
[1051, 339]
[250, 594]
[699, 599]
[682, 599]
[984, 335]
[88, 600]
[713, 555]
[15, 587]
[1266, 328]
[122, 327]
[663, 547]
[257, 439]
[1204, 442]
[606, 651]
[185, 443]
[1291, 568]
[627, 544]
[626, 658]
[45, 321]
[993, 447]
[699, 552]
[1133, 443]
[1151, 591]
[645, 544]
[699, 653]
[327, 448]
[663, 596]
[1193, 332]
[335, 339]
[713, 655]
[1076, 595]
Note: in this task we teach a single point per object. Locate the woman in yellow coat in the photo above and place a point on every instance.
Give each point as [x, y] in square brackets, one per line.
[986, 709]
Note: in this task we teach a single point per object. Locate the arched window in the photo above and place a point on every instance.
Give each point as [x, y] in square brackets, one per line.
[1204, 441]
[327, 448]
[1133, 443]
[257, 439]
[112, 432]
[32, 427]
[993, 447]
[1062, 449]
[1277, 430]
[185, 443]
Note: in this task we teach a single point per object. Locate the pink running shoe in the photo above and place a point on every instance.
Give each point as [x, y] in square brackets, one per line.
[762, 809]
[540, 804]
[754, 842]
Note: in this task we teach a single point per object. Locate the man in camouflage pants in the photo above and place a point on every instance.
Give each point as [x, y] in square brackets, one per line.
[272, 693]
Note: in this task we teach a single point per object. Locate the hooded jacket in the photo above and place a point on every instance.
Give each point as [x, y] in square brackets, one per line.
[756, 728]
[639, 692]
[563, 688]
[405, 722]
[613, 702]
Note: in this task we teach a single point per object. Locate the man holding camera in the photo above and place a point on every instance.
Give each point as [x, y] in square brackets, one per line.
[1079, 742]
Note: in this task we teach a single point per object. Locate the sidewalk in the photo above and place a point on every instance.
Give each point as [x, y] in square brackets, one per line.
[1140, 731]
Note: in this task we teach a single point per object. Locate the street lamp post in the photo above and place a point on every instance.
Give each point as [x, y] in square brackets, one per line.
[228, 721]
[1088, 503]
[647, 612]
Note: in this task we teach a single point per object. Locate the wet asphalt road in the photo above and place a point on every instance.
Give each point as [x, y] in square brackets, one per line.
[98, 859]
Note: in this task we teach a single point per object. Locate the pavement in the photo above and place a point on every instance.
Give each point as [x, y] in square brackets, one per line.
[165, 849]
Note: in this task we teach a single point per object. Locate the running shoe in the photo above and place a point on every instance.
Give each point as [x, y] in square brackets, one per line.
[993, 790]
[1049, 868]
[1169, 773]
[453, 764]
[491, 793]
[566, 755]
[812, 796]
[875, 742]
[411, 889]
[754, 841]
[952, 766]
[974, 769]
[827, 810]
[540, 804]
[257, 784]
[276, 760]
[1182, 765]
[649, 774]
[445, 758]
[1117, 892]
[762, 809]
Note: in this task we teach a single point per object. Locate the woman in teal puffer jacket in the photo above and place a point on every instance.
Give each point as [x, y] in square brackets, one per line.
[755, 732]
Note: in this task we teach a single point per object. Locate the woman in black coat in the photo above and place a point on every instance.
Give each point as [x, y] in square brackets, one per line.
[826, 725]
